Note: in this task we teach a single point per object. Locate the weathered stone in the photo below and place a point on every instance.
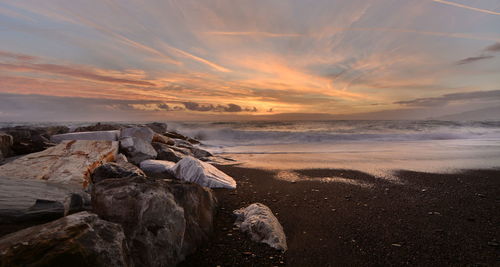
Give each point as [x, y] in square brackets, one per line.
[176, 135]
[259, 222]
[116, 170]
[81, 239]
[157, 127]
[70, 162]
[166, 153]
[193, 170]
[184, 151]
[24, 203]
[163, 220]
[97, 136]
[199, 205]
[200, 153]
[6, 142]
[160, 169]
[153, 222]
[163, 139]
[99, 127]
[136, 144]
[29, 139]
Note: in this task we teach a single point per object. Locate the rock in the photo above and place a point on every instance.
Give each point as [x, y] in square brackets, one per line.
[6, 142]
[157, 127]
[25, 203]
[163, 220]
[200, 153]
[70, 162]
[182, 150]
[176, 135]
[259, 222]
[160, 169]
[193, 170]
[32, 139]
[163, 139]
[98, 136]
[166, 153]
[115, 170]
[136, 144]
[99, 127]
[81, 239]
[199, 205]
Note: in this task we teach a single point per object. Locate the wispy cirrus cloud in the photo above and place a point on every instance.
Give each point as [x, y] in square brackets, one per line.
[450, 98]
[467, 7]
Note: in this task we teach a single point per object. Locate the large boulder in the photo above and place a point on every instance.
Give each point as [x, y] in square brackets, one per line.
[97, 135]
[135, 142]
[157, 127]
[163, 220]
[28, 139]
[70, 162]
[259, 222]
[199, 205]
[81, 239]
[193, 170]
[6, 142]
[160, 169]
[116, 170]
[166, 153]
[200, 153]
[25, 203]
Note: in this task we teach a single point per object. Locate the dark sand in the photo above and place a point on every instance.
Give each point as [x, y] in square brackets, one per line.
[428, 220]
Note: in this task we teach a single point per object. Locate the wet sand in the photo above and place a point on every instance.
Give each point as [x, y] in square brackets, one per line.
[421, 219]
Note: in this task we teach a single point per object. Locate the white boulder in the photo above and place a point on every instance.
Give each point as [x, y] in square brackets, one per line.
[158, 168]
[259, 222]
[70, 162]
[202, 173]
[99, 135]
[136, 144]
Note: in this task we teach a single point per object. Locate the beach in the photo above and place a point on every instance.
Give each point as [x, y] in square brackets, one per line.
[422, 219]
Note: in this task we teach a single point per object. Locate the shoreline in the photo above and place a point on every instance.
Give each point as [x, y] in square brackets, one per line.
[427, 220]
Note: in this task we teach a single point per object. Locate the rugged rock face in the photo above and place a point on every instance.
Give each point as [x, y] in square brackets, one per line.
[199, 205]
[260, 223]
[32, 139]
[162, 220]
[135, 142]
[6, 142]
[193, 170]
[157, 127]
[153, 222]
[115, 170]
[158, 138]
[81, 239]
[97, 135]
[70, 162]
[166, 153]
[160, 169]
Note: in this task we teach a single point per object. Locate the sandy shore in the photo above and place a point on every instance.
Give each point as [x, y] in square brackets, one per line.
[420, 219]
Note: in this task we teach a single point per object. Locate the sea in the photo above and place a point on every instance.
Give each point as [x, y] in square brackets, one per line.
[376, 147]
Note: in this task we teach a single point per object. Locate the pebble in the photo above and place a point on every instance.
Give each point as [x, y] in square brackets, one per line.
[396, 245]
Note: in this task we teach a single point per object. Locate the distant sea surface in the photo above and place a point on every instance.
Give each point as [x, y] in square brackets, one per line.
[375, 147]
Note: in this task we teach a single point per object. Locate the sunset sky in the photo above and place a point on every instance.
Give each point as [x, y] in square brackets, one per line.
[247, 59]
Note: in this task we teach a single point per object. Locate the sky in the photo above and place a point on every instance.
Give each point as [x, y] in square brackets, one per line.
[247, 59]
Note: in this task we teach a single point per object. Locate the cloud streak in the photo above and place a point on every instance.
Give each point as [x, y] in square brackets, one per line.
[467, 7]
[449, 98]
